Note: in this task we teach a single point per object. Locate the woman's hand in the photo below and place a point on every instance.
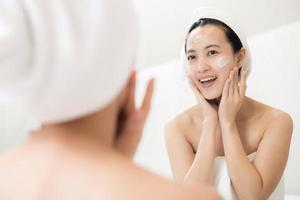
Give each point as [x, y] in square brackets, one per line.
[208, 110]
[232, 97]
[131, 119]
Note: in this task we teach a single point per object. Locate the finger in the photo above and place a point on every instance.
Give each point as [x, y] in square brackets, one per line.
[233, 77]
[129, 139]
[230, 92]
[131, 91]
[243, 84]
[131, 134]
[234, 81]
[226, 89]
[236, 78]
[145, 107]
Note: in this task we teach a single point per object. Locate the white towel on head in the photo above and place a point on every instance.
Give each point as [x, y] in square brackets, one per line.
[215, 13]
[66, 59]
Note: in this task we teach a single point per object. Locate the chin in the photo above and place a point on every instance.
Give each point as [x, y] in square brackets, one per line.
[210, 97]
[212, 93]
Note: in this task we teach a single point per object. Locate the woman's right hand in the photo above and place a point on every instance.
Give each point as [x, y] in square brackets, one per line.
[209, 111]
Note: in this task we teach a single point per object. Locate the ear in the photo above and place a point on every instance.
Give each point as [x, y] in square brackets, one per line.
[240, 57]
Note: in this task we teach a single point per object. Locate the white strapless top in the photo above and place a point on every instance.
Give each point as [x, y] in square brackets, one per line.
[223, 184]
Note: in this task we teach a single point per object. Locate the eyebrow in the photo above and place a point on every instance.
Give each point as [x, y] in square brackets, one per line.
[212, 45]
[191, 51]
[207, 47]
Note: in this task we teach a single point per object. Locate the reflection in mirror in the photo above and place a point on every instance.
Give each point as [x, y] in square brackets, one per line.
[271, 96]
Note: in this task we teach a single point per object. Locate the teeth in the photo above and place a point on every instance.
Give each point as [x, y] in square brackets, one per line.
[208, 79]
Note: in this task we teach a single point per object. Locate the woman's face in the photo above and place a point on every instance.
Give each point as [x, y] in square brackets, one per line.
[210, 59]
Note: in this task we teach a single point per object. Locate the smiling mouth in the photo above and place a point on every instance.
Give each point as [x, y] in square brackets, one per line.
[207, 82]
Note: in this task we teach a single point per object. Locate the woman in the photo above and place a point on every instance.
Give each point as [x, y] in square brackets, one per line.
[60, 56]
[228, 140]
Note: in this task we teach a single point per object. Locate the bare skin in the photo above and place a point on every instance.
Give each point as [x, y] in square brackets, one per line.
[226, 122]
[90, 158]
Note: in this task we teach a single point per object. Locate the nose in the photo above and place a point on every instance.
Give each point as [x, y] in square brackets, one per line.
[202, 67]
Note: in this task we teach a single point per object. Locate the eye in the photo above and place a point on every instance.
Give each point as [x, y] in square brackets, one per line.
[191, 57]
[212, 52]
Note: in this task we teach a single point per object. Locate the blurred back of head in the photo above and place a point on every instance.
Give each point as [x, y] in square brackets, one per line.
[66, 59]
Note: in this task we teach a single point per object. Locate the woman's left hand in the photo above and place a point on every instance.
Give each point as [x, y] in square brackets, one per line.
[232, 97]
[131, 120]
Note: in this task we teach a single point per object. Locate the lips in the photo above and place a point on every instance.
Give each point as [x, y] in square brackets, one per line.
[208, 78]
[208, 81]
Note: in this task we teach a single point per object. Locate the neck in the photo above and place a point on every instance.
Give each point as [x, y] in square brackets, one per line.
[215, 102]
[247, 110]
[244, 111]
[96, 129]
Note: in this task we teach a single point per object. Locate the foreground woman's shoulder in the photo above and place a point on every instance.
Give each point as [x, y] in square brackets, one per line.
[124, 180]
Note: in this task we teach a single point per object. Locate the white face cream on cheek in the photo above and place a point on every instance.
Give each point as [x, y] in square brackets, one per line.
[222, 62]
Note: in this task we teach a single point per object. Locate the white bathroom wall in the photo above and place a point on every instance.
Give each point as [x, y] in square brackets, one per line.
[275, 80]
[15, 122]
[162, 22]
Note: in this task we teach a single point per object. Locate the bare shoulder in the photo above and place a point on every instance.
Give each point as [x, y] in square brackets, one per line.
[103, 175]
[276, 118]
[120, 178]
[156, 187]
[280, 120]
[281, 117]
[181, 122]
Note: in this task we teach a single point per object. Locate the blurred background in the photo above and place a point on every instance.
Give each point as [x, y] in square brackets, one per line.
[273, 29]
[163, 23]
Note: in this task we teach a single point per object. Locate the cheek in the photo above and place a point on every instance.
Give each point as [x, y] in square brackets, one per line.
[191, 73]
[190, 70]
[222, 62]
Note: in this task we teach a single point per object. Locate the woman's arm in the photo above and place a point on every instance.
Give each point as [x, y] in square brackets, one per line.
[257, 180]
[179, 150]
[201, 170]
[186, 166]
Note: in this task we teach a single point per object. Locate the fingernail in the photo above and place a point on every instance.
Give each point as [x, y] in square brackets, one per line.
[134, 71]
[152, 80]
